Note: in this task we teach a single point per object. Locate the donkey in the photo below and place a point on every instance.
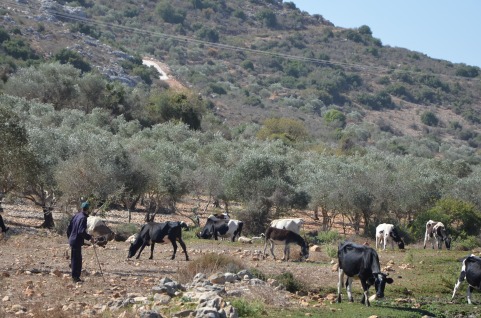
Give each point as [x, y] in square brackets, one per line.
[276, 236]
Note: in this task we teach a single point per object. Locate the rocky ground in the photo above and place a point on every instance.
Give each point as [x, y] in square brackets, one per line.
[35, 278]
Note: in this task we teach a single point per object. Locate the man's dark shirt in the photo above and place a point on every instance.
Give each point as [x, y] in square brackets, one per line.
[77, 230]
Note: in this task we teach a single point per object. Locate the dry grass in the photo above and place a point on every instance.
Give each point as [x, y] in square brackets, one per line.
[208, 264]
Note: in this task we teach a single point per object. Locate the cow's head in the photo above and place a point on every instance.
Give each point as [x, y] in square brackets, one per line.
[397, 238]
[184, 225]
[304, 251]
[447, 242]
[400, 244]
[380, 281]
[208, 230]
[135, 245]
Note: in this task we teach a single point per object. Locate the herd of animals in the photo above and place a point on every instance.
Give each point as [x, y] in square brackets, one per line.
[354, 260]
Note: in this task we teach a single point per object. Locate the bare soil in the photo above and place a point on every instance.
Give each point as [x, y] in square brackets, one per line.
[35, 275]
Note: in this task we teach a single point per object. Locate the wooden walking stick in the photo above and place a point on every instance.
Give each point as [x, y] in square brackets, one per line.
[98, 262]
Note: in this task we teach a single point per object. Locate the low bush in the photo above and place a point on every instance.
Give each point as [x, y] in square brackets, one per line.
[209, 264]
[466, 244]
[291, 283]
[248, 308]
[328, 237]
[331, 251]
[126, 229]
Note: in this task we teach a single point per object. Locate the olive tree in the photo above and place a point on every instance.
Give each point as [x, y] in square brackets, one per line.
[163, 154]
[213, 163]
[53, 83]
[17, 161]
[317, 175]
[261, 181]
[46, 147]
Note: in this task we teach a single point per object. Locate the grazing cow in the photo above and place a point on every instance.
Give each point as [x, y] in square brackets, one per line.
[215, 227]
[153, 232]
[361, 261]
[471, 271]
[385, 232]
[276, 236]
[293, 225]
[220, 217]
[97, 227]
[436, 231]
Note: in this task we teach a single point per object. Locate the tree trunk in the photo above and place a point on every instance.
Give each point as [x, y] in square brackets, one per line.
[367, 221]
[226, 206]
[48, 222]
[316, 213]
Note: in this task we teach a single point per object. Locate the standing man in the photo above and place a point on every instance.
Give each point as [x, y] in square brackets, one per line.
[2, 225]
[77, 233]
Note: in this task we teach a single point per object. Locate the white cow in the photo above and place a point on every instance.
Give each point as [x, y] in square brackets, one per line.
[385, 232]
[293, 225]
[97, 227]
[436, 231]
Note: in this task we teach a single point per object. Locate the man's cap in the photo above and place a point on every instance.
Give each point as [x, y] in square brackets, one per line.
[85, 205]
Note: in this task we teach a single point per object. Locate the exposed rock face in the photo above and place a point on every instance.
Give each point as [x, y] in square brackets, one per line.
[101, 56]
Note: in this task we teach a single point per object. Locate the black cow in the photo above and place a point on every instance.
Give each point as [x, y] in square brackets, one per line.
[361, 261]
[225, 228]
[152, 233]
[471, 271]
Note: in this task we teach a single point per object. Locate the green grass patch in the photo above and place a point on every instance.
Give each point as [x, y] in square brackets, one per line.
[248, 308]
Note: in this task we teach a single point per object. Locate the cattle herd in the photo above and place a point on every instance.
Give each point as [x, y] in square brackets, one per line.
[354, 260]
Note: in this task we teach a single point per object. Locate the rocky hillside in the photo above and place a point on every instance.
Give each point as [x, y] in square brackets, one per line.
[258, 59]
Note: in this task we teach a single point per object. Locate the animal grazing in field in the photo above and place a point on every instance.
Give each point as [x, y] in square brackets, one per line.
[471, 271]
[436, 231]
[219, 217]
[293, 225]
[276, 236]
[385, 232]
[361, 261]
[153, 232]
[224, 228]
[98, 228]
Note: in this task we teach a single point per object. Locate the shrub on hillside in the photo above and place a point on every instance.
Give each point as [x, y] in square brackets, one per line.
[291, 283]
[429, 118]
[248, 308]
[209, 264]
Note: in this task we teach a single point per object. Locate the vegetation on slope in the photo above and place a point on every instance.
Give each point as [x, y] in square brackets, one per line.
[283, 111]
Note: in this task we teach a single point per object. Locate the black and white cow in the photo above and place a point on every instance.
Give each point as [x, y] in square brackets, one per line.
[471, 271]
[97, 227]
[153, 232]
[276, 236]
[385, 232]
[436, 231]
[360, 261]
[224, 228]
[293, 225]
